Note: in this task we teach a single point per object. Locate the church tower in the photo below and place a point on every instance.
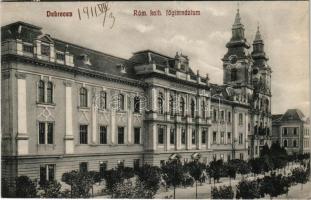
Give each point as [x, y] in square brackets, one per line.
[237, 61]
[261, 80]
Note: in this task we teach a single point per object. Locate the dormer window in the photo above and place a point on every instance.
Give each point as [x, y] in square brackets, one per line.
[45, 50]
[85, 59]
[122, 68]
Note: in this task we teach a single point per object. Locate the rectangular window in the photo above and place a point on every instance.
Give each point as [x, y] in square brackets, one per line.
[83, 167]
[229, 137]
[83, 134]
[41, 133]
[50, 133]
[229, 116]
[103, 135]
[222, 115]
[28, 48]
[136, 135]
[222, 137]
[172, 136]
[241, 138]
[295, 131]
[214, 115]
[240, 118]
[228, 157]
[46, 135]
[241, 156]
[193, 136]
[136, 164]
[120, 163]
[285, 131]
[45, 50]
[160, 135]
[47, 173]
[102, 168]
[203, 137]
[183, 136]
[214, 137]
[60, 56]
[103, 100]
[120, 135]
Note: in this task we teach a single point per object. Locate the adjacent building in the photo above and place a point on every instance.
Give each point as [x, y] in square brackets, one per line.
[67, 107]
[291, 130]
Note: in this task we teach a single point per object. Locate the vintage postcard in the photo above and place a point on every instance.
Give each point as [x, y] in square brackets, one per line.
[183, 100]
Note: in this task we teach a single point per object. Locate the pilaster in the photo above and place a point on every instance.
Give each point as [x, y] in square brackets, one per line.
[69, 139]
[22, 134]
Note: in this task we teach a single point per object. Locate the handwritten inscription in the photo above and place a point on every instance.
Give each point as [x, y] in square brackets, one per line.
[101, 9]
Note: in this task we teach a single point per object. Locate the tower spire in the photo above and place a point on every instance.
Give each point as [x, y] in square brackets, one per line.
[258, 34]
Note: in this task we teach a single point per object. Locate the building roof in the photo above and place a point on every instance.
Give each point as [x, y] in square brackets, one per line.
[290, 115]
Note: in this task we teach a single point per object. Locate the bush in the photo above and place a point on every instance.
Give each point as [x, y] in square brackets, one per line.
[25, 187]
[274, 185]
[51, 189]
[5, 192]
[299, 175]
[248, 190]
[223, 192]
[150, 177]
[112, 178]
[80, 183]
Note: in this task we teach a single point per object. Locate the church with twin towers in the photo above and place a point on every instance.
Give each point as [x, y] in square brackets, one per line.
[68, 107]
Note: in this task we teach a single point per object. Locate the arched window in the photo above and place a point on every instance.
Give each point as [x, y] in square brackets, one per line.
[233, 74]
[182, 106]
[294, 143]
[120, 102]
[83, 97]
[203, 107]
[103, 100]
[50, 92]
[192, 108]
[41, 91]
[171, 104]
[285, 143]
[137, 104]
[160, 103]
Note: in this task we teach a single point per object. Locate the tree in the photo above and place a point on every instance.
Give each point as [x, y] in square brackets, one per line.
[243, 168]
[95, 178]
[25, 187]
[69, 179]
[256, 165]
[126, 172]
[196, 171]
[215, 169]
[300, 175]
[173, 173]
[112, 178]
[274, 185]
[248, 190]
[223, 192]
[149, 178]
[231, 169]
[51, 189]
[80, 183]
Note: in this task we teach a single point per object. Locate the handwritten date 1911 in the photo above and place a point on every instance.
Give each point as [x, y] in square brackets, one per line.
[88, 12]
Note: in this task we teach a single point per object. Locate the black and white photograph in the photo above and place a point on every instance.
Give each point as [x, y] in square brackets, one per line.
[155, 99]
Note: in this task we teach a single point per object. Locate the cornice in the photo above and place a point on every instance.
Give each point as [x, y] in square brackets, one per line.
[75, 70]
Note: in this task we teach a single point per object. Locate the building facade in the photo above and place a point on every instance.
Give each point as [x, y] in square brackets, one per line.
[67, 107]
[291, 130]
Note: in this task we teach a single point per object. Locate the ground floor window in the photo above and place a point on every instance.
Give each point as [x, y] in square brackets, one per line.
[102, 168]
[83, 167]
[136, 164]
[120, 163]
[241, 156]
[47, 173]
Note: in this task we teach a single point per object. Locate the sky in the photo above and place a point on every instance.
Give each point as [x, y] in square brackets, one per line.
[283, 25]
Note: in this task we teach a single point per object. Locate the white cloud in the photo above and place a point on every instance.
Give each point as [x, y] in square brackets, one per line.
[220, 35]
